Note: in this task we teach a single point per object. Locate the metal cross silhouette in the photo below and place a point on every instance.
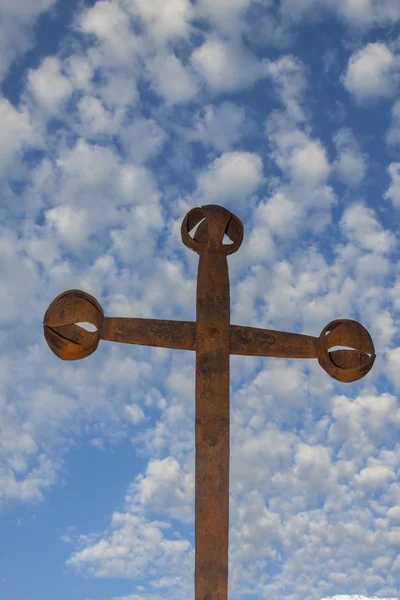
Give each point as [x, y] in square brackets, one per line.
[213, 339]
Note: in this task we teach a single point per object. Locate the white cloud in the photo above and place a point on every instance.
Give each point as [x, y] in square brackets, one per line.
[293, 287]
[288, 76]
[311, 468]
[95, 119]
[221, 126]
[79, 70]
[90, 189]
[266, 450]
[17, 20]
[24, 9]
[282, 215]
[111, 25]
[361, 226]
[228, 16]
[16, 132]
[249, 290]
[312, 464]
[88, 163]
[394, 295]
[226, 66]
[254, 523]
[119, 88]
[114, 56]
[167, 489]
[353, 418]
[135, 413]
[357, 13]
[137, 185]
[49, 409]
[143, 139]
[371, 265]
[71, 224]
[144, 292]
[372, 72]
[394, 513]
[393, 366]
[257, 248]
[355, 597]
[139, 230]
[296, 154]
[374, 477]
[19, 271]
[134, 597]
[171, 80]
[164, 19]
[283, 381]
[393, 191]
[368, 12]
[308, 164]
[29, 488]
[49, 87]
[231, 178]
[350, 166]
[393, 134]
[133, 546]
[298, 10]
[301, 158]
[34, 415]
[384, 328]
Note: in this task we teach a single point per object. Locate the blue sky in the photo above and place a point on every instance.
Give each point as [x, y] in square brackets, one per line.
[116, 118]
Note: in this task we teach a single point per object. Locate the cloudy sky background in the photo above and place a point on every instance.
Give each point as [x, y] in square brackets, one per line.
[116, 118]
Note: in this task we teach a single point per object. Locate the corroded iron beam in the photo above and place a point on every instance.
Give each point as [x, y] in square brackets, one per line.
[181, 335]
[69, 341]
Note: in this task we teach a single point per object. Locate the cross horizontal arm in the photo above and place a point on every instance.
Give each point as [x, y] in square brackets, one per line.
[251, 341]
[181, 335]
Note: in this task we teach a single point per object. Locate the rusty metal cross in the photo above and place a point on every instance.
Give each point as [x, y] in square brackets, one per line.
[213, 339]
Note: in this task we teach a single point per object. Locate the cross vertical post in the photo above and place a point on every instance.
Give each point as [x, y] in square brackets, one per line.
[213, 339]
[212, 396]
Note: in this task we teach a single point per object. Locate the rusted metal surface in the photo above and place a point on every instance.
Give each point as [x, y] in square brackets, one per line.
[180, 335]
[346, 365]
[251, 341]
[213, 339]
[67, 340]
[212, 395]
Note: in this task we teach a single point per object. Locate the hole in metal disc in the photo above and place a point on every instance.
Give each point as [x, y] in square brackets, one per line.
[87, 326]
[347, 348]
[195, 228]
